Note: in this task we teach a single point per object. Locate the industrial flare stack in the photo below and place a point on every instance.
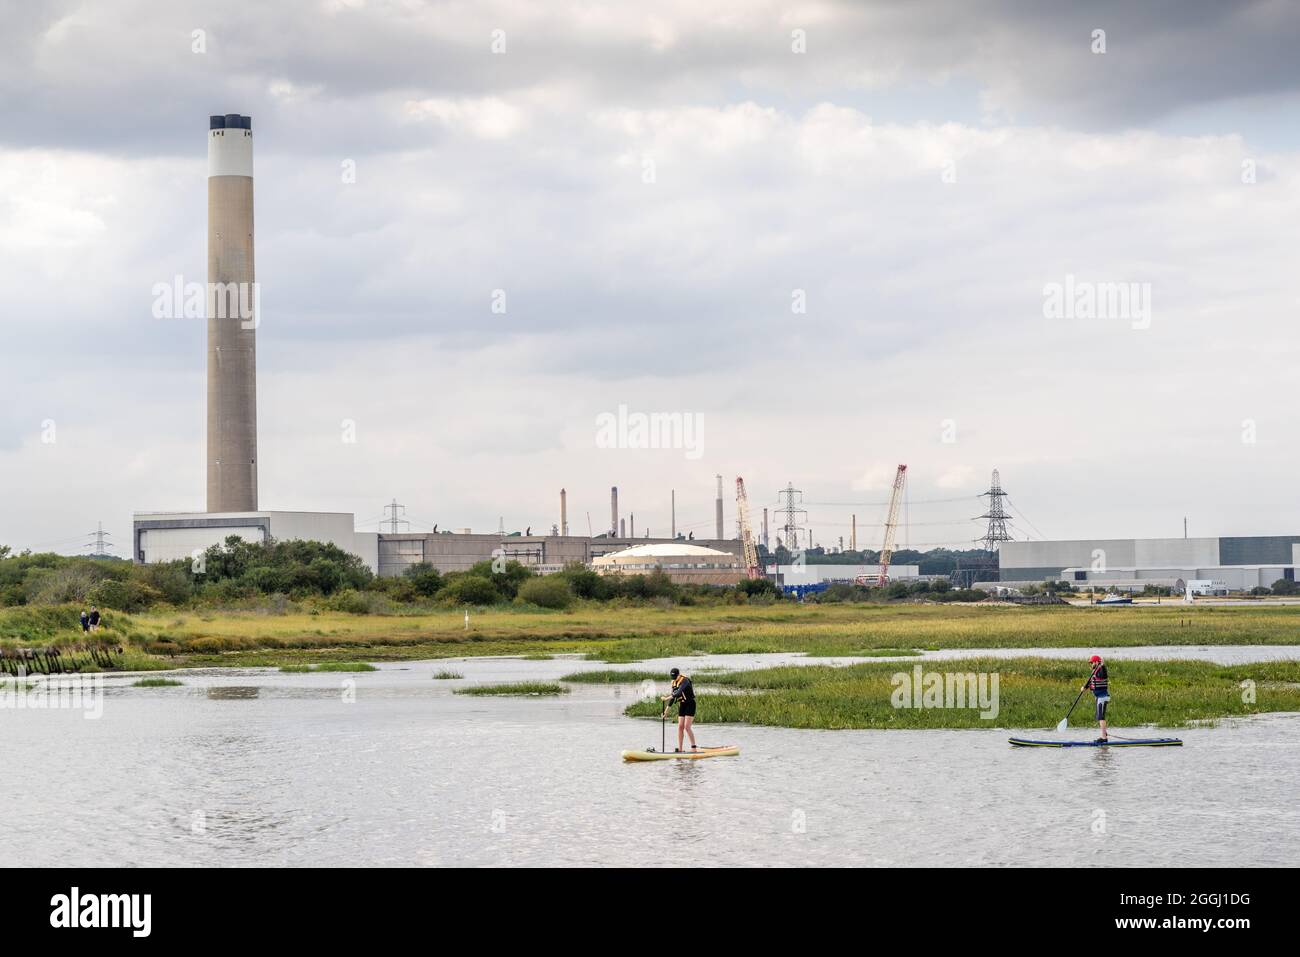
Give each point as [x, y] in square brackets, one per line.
[232, 320]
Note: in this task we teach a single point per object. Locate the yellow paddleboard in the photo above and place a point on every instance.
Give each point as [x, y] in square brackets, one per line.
[652, 755]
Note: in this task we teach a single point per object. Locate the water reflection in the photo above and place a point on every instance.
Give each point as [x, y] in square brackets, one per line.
[409, 773]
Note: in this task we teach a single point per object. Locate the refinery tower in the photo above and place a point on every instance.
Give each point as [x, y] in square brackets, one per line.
[232, 319]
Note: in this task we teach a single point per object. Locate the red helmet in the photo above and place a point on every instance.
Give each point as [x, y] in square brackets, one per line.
[1094, 659]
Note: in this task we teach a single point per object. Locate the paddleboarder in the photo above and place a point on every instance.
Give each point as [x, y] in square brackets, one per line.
[1099, 683]
[683, 694]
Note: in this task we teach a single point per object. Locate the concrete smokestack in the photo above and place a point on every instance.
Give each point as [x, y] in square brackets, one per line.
[232, 317]
[674, 535]
[564, 513]
[622, 528]
[613, 511]
[765, 544]
[853, 535]
[631, 524]
[718, 503]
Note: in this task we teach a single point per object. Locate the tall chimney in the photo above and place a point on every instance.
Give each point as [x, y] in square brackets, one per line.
[719, 509]
[853, 536]
[631, 524]
[613, 511]
[674, 535]
[232, 317]
[564, 513]
[622, 528]
[765, 543]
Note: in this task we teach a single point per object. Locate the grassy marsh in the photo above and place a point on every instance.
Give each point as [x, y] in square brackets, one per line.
[1032, 693]
[521, 688]
[627, 633]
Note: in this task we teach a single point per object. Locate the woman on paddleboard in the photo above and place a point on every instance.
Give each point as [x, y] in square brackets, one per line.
[683, 693]
[1099, 683]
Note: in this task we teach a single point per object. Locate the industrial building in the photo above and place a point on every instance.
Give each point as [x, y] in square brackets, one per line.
[170, 536]
[682, 562]
[841, 574]
[232, 497]
[454, 552]
[1130, 564]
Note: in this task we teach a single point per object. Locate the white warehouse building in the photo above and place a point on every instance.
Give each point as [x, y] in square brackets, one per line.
[1240, 562]
[168, 536]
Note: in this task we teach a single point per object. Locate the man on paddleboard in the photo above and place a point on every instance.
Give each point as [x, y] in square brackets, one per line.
[1099, 683]
[683, 693]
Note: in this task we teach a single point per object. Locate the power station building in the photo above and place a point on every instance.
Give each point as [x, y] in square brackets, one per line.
[232, 499]
[1240, 562]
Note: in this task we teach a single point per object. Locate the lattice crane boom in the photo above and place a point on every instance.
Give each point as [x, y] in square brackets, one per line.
[891, 524]
[752, 568]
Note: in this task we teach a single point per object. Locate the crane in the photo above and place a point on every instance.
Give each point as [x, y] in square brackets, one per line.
[891, 524]
[752, 568]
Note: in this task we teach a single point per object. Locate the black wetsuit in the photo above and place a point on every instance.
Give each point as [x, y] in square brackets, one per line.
[684, 694]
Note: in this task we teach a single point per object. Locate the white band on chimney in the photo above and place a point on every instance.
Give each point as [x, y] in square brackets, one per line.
[230, 152]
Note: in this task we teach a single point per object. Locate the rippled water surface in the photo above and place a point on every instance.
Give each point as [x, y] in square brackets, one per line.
[257, 767]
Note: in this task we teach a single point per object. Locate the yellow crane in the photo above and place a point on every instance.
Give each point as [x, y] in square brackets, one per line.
[891, 524]
[752, 568]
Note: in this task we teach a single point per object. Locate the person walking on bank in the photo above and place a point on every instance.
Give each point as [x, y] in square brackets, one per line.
[94, 618]
[683, 693]
[85, 621]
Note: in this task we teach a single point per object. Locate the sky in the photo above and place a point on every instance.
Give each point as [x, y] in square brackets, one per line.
[1053, 239]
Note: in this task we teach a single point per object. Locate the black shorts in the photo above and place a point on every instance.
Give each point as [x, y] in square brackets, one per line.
[1101, 708]
[686, 710]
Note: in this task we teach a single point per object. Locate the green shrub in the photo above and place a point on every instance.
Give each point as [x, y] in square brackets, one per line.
[589, 584]
[424, 579]
[897, 590]
[550, 591]
[350, 601]
[468, 589]
[756, 586]
[130, 596]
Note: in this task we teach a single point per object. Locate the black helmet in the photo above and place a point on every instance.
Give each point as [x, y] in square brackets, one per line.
[674, 673]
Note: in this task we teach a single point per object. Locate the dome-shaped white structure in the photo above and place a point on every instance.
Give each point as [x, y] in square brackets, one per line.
[682, 562]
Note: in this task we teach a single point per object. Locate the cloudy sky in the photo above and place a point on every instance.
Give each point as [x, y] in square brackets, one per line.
[829, 232]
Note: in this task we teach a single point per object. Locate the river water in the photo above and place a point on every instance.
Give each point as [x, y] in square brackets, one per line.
[252, 766]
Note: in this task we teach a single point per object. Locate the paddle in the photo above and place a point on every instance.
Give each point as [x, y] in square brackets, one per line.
[1065, 722]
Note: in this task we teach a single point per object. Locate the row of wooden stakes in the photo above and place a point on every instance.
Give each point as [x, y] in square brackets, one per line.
[57, 661]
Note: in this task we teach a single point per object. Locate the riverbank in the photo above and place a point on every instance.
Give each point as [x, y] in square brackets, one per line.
[1022, 693]
[630, 633]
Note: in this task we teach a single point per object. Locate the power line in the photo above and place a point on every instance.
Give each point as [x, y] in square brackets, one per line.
[1025, 517]
[885, 504]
